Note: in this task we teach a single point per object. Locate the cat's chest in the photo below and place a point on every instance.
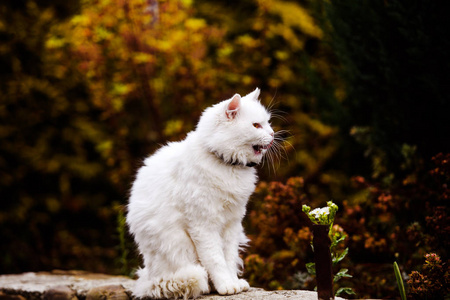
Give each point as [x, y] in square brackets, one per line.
[224, 199]
[226, 187]
[232, 181]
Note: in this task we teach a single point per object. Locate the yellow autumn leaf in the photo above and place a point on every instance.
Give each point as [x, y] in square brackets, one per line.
[295, 15]
[142, 58]
[195, 24]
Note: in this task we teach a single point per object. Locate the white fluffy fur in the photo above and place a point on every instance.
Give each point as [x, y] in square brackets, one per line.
[189, 198]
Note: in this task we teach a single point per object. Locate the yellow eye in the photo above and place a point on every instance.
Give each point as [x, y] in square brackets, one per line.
[257, 125]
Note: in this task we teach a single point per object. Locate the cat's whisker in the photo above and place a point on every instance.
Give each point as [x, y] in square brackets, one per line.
[278, 114]
[283, 134]
[272, 103]
[277, 152]
[279, 155]
[283, 154]
[287, 144]
[273, 155]
[279, 137]
[269, 159]
[264, 160]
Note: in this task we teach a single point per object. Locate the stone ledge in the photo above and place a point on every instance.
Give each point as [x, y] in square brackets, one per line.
[78, 285]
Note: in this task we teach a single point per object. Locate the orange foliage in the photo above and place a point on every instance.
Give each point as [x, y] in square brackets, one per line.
[279, 233]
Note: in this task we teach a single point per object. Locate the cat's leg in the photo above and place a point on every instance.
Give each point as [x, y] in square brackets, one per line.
[210, 249]
[147, 285]
[187, 282]
[234, 238]
[171, 270]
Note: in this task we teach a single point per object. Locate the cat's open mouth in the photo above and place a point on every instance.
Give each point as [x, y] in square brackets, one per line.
[259, 148]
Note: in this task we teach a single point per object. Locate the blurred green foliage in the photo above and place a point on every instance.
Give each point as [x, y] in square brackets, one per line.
[393, 57]
[88, 88]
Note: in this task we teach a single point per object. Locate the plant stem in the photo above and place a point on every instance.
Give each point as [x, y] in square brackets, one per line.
[322, 258]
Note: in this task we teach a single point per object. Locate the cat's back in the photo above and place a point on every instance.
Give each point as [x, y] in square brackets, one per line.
[165, 156]
[155, 173]
[164, 159]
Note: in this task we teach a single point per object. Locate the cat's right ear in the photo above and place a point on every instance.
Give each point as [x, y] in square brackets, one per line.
[233, 107]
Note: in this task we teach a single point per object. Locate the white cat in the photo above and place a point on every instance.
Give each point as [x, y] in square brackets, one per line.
[188, 200]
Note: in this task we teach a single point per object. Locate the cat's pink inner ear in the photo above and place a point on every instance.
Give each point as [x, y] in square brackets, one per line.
[233, 106]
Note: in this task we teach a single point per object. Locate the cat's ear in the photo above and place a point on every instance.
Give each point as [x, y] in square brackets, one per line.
[255, 94]
[233, 107]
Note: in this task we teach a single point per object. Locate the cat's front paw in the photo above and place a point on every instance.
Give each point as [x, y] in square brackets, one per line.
[228, 288]
[232, 287]
[244, 285]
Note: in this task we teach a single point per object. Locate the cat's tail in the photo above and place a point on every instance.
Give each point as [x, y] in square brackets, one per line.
[188, 282]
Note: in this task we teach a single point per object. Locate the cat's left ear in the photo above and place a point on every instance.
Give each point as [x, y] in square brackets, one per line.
[255, 94]
[233, 107]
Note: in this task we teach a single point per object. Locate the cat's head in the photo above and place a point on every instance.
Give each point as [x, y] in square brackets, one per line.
[237, 130]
